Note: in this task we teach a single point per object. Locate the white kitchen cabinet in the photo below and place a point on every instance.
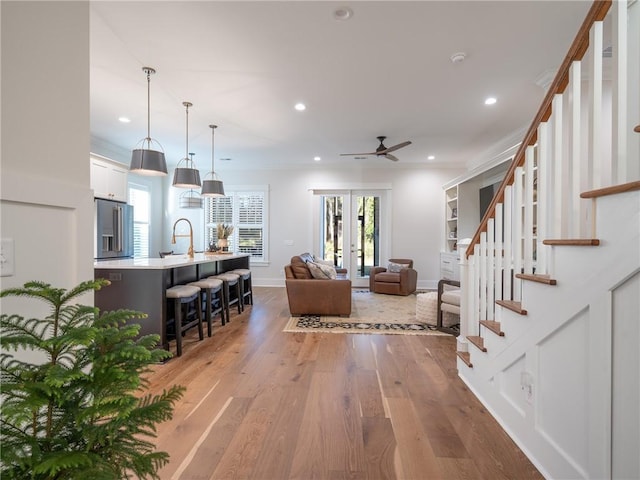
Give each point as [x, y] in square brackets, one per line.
[108, 179]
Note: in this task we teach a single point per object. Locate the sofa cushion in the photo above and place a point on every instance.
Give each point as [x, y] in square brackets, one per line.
[452, 297]
[388, 277]
[321, 271]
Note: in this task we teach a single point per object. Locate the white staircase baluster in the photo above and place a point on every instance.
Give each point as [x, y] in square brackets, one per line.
[542, 198]
[473, 322]
[528, 209]
[517, 233]
[490, 269]
[483, 276]
[556, 162]
[619, 124]
[596, 168]
[575, 215]
[498, 259]
[508, 242]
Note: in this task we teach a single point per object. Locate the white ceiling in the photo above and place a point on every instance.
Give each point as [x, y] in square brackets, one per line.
[386, 71]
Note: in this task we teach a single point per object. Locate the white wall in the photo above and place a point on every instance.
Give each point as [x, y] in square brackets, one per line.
[46, 203]
[417, 212]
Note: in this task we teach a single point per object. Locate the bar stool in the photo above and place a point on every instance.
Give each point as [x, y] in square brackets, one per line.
[212, 297]
[182, 297]
[246, 286]
[232, 292]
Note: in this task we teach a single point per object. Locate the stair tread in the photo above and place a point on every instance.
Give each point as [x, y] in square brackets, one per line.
[466, 358]
[612, 190]
[478, 342]
[580, 242]
[546, 279]
[513, 306]
[493, 326]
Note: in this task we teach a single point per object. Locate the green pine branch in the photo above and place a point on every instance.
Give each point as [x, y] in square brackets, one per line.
[81, 412]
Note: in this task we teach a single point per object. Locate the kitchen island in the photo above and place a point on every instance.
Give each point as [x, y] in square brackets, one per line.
[140, 283]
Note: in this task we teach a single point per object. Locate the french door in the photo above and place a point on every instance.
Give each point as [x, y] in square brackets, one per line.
[352, 230]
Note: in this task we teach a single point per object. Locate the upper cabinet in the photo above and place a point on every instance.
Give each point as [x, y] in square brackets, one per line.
[108, 179]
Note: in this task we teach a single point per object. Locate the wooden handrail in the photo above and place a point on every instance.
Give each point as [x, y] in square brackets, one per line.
[597, 12]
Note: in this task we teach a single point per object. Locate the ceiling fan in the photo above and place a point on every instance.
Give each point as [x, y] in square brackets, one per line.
[382, 150]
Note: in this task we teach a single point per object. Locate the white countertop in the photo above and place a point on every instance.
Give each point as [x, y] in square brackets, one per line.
[171, 261]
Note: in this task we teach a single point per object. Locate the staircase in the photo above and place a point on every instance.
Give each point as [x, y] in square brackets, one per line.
[550, 321]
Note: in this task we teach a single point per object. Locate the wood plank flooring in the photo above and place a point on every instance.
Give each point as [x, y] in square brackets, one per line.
[267, 405]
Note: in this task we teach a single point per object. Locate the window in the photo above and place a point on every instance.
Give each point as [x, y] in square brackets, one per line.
[139, 198]
[246, 209]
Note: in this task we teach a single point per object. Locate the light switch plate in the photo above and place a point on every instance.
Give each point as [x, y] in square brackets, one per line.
[7, 259]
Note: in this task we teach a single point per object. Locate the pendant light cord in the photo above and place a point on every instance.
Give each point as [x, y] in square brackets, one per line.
[213, 129]
[149, 106]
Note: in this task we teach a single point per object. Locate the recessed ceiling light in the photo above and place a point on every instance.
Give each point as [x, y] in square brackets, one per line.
[317, 159]
[300, 107]
[342, 13]
[490, 101]
[431, 157]
[124, 120]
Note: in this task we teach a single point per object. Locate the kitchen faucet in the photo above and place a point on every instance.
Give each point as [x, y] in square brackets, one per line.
[173, 237]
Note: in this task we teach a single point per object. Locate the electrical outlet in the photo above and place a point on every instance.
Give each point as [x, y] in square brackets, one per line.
[7, 259]
[526, 383]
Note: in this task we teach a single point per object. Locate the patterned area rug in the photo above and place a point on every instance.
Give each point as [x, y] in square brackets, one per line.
[370, 313]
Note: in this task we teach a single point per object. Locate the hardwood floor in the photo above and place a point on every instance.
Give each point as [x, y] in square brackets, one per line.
[264, 404]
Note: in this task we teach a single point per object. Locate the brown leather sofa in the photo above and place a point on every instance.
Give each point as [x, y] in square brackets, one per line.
[394, 283]
[314, 296]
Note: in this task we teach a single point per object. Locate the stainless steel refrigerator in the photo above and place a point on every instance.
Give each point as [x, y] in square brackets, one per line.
[113, 230]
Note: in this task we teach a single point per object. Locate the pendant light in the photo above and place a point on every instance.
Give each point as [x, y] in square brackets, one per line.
[187, 176]
[147, 160]
[212, 187]
[191, 198]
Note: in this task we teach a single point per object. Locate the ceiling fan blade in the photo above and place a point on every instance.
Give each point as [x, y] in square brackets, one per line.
[397, 147]
[359, 154]
[391, 157]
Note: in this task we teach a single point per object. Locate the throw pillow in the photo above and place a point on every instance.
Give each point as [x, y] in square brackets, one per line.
[396, 267]
[322, 272]
[322, 261]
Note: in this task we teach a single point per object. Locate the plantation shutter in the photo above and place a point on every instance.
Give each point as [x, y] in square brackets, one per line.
[246, 211]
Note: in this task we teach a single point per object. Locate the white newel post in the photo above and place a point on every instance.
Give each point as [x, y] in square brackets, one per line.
[466, 302]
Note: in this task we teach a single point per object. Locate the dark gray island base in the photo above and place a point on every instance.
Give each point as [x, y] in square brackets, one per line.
[140, 284]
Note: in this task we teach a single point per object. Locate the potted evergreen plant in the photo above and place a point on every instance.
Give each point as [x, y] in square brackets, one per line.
[79, 409]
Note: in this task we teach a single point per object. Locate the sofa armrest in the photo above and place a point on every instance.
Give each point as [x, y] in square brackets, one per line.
[441, 285]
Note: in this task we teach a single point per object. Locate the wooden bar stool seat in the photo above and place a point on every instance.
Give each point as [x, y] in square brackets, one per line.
[245, 284]
[212, 297]
[184, 297]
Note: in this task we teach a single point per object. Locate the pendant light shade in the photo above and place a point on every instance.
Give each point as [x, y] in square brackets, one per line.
[212, 187]
[148, 160]
[187, 175]
[191, 199]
